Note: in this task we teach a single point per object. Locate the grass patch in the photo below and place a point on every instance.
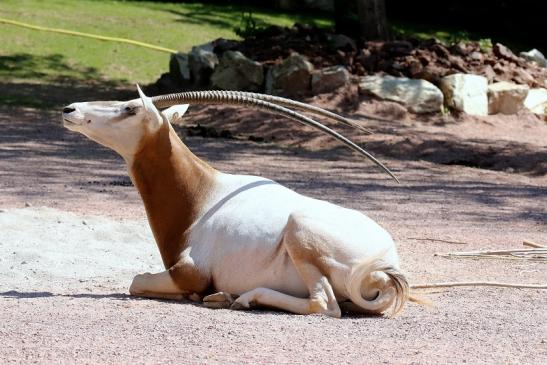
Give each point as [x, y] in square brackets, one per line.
[446, 35]
[47, 57]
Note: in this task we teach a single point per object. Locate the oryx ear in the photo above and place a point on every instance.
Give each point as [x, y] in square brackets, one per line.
[151, 111]
[174, 114]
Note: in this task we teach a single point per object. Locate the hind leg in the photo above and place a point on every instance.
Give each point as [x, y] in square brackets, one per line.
[309, 254]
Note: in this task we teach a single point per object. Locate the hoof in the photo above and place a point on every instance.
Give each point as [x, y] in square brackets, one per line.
[219, 300]
[238, 306]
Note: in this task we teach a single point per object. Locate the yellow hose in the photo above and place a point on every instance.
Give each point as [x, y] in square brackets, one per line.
[87, 35]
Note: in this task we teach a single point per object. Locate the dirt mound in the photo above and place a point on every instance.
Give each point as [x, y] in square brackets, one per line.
[414, 58]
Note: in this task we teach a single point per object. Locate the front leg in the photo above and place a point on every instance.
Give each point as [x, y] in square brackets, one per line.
[181, 280]
[158, 286]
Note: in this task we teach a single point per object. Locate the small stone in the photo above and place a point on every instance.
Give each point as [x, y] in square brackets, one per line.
[398, 48]
[458, 63]
[27, 204]
[523, 77]
[502, 51]
[476, 56]
[329, 79]
[489, 73]
[341, 41]
[292, 77]
[237, 72]
[440, 50]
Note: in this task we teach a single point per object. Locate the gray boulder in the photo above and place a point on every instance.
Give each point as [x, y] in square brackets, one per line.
[534, 56]
[237, 72]
[292, 77]
[329, 79]
[418, 96]
[179, 68]
[202, 63]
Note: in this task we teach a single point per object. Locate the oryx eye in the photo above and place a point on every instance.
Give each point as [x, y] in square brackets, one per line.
[130, 110]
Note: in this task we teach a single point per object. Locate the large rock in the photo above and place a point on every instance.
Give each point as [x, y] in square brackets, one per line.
[466, 93]
[329, 79]
[292, 77]
[536, 101]
[202, 63]
[506, 97]
[237, 72]
[419, 96]
[534, 56]
[179, 68]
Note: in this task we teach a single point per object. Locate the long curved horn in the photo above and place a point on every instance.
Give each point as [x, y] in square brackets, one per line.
[288, 103]
[217, 97]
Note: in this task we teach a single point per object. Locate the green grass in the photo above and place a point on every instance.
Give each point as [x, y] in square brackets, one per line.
[446, 35]
[48, 58]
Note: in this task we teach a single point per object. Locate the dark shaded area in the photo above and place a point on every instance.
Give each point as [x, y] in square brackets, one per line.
[520, 23]
[402, 141]
[482, 154]
[76, 83]
[224, 14]
[44, 294]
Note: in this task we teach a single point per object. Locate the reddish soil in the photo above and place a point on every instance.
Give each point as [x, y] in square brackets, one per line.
[443, 195]
[422, 59]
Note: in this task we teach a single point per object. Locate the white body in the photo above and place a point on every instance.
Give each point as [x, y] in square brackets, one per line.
[243, 223]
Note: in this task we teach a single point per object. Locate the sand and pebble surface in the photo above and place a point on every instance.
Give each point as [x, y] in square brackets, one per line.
[73, 233]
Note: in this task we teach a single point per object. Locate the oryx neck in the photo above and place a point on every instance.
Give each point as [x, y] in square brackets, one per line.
[173, 184]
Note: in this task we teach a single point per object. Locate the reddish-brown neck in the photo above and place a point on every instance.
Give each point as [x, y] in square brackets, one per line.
[173, 184]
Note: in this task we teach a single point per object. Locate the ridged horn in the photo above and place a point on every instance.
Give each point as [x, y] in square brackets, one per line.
[288, 103]
[220, 97]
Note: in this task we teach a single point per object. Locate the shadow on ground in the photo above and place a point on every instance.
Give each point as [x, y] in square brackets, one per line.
[49, 81]
[39, 159]
[392, 138]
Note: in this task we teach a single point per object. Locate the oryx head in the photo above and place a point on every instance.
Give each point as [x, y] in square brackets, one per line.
[119, 125]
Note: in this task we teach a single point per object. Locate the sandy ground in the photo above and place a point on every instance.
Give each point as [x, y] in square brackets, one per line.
[73, 233]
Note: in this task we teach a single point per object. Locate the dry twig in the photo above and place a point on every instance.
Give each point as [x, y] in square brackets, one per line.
[535, 254]
[479, 283]
[532, 244]
[437, 240]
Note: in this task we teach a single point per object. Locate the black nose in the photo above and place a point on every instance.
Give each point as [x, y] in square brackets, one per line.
[68, 110]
